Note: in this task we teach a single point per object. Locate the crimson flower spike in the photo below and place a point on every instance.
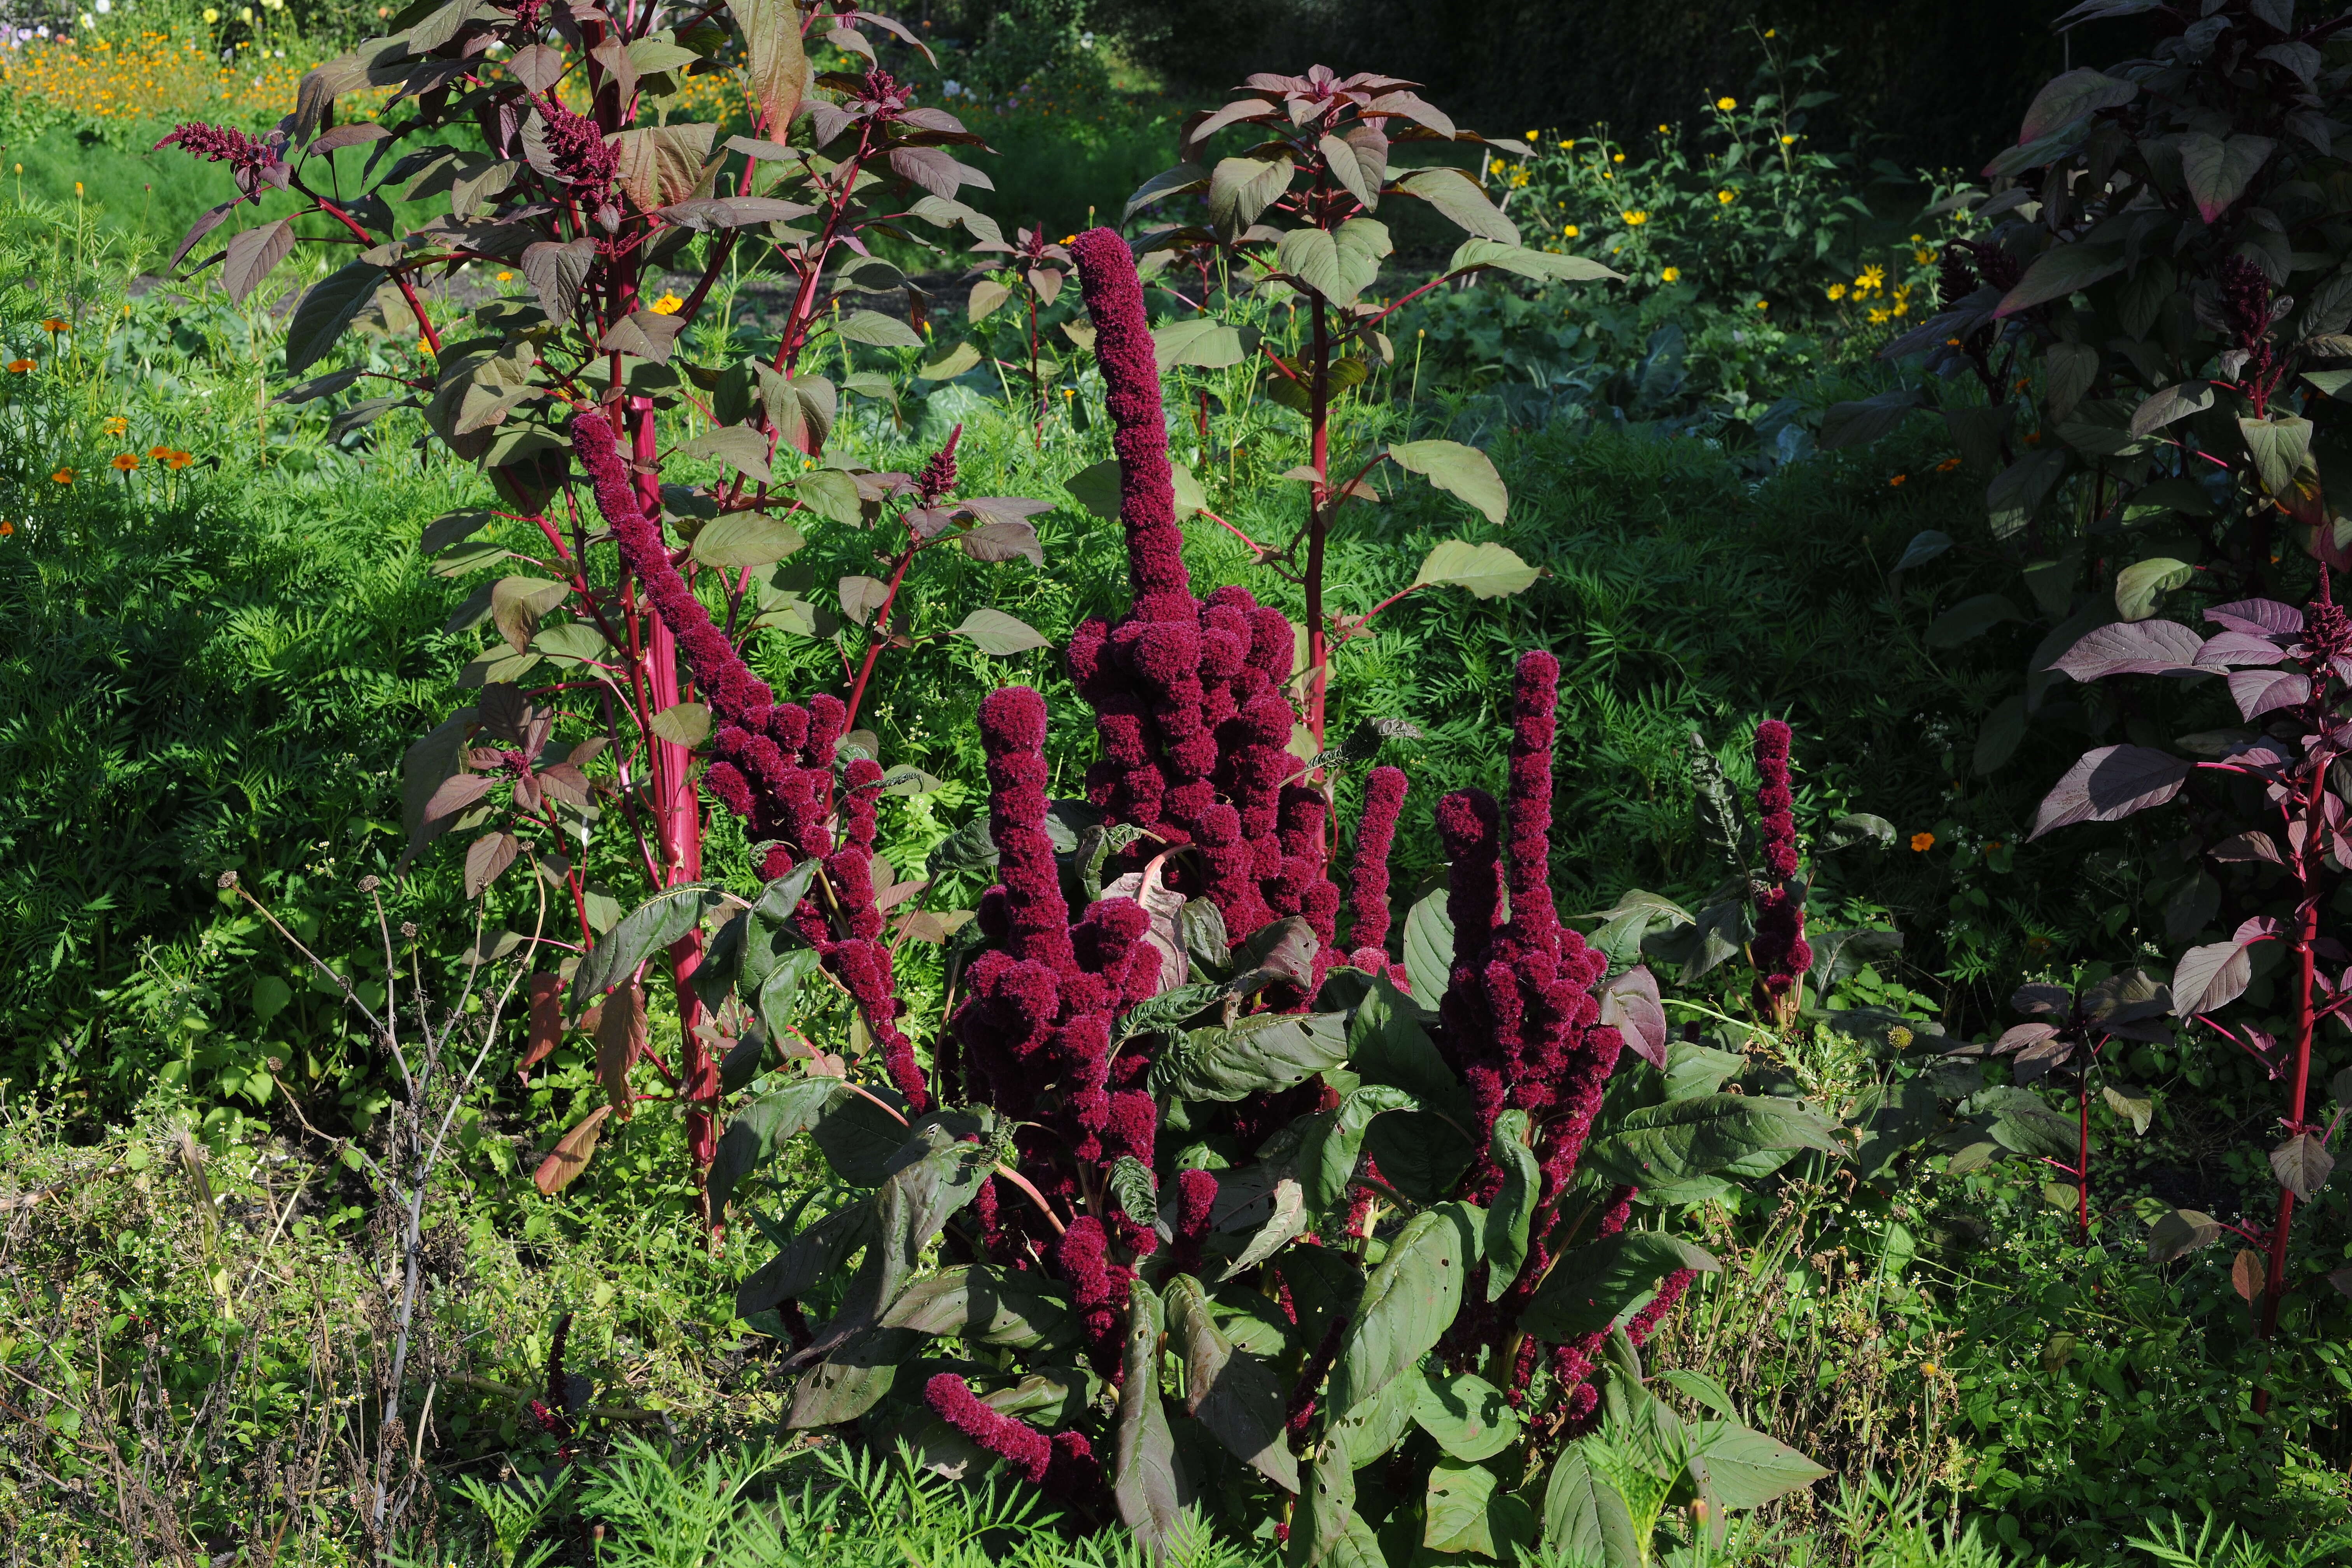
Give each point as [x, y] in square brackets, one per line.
[1780, 952]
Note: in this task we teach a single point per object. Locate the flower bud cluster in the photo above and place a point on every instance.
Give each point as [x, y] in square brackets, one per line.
[1779, 950]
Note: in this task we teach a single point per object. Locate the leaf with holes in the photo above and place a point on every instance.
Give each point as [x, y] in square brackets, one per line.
[1265, 1051]
[1230, 1391]
[1408, 1302]
[1598, 1285]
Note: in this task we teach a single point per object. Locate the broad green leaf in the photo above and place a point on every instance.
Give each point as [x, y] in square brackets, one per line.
[859, 1139]
[852, 1381]
[2180, 1231]
[746, 538]
[759, 1132]
[2065, 98]
[643, 931]
[1019, 1309]
[2140, 587]
[745, 450]
[1470, 1418]
[1598, 1285]
[1387, 1044]
[912, 1204]
[1327, 1155]
[1144, 1463]
[1429, 949]
[1372, 1429]
[1318, 259]
[1241, 188]
[1745, 1468]
[682, 724]
[1466, 1509]
[1456, 195]
[1508, 1217]
[878, 330]
[1705, 1136]
[1325, 1531]
[817, 1253]
[1420, 1154]
[1585, 1521]
[1545, 266]
[1408, 1302]
[1204, 342]
[994, 632]
[1969, 619]
[1230, 1391]
[2279, 445]
[948, 364]
[1261, 1052]
[1469, 473]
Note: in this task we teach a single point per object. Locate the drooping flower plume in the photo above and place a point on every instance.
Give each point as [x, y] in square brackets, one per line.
[1780, 951]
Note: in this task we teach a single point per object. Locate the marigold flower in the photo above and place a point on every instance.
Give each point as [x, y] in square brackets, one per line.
[159, 452]
[63, 476]
[20, 365]
[6, 528]
[1898, 481]
[1671, 275]
[1948, 465]
[667, 305]
[52, 325]
[125, 461]
[506, 277]
[1922, 842]
[178, 461]
[1727, 104]
[116, 426]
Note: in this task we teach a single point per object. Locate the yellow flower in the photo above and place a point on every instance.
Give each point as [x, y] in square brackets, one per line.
[125, 461]
[1635, 219]
[1922, 255]
[506, 277]
[1493, 165]
[116, 426]
[1771, 32]
[667, 305]
[1665, 130]
[1879, 315]
[1871, 278]
[1671, 275]
[1726, 197]
[1618, 158]
[1837, 290]
[1788, 142]
[1534, 136]
[1570, 232]
[1922, 842]
[1727, 104]
[211, 15]
[63, 476]
[1763, 304]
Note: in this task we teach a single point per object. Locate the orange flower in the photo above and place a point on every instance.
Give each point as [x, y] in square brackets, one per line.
[1948, 465]
[1898, 481]
[159, 452]
[179, 460]
[116, 426]
[1922, 842]
[20, 365]
[53, 326]
[63, 476]
[6, 528]
[125, 461]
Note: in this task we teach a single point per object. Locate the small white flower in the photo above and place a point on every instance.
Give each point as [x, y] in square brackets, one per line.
[88, 20]
[1086, 40]
[952, 88]
[104, 6]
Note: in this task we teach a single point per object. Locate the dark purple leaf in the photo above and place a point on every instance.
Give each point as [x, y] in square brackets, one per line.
[1010, 540]
[457, 792]
[2020, 1036]
[2068, 98]
[1233, 113]
[1003, 508]
[203, 226]
[2110, 783]
[487, 860]
[1629, 1004]
[2132, 648]
[935, 170]
[2251, 845]
[2180, 1232]
[2263, 617]
[2303, 1166]
[2260, 691]
[703, 214]
[2041, 998]
[2259, 928]
[253, 254]
[2210, 977]
[2240, 648]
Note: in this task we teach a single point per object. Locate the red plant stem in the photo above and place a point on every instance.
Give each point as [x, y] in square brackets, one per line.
[1317, 522]
[2082, 1162]
[881, 630]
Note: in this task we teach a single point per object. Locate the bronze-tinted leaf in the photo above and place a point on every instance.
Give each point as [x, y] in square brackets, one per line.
[620, 1040]
[546, 1024]
[571, 1153]
[488, 859]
